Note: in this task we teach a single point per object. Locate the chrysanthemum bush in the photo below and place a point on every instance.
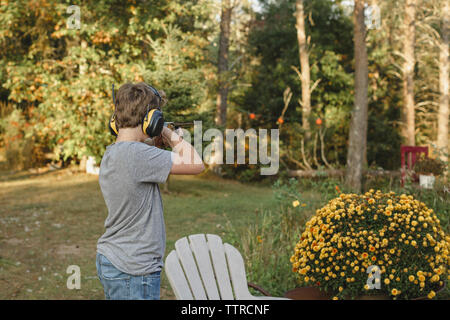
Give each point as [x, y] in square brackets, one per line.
[397, 234]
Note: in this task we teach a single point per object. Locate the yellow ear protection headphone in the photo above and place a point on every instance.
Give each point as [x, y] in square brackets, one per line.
[153, 122]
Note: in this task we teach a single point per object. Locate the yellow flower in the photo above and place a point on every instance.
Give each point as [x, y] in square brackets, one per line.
[411, 278]
[387, 281]
[259, 239]
[431, 295]
[295, 203]
[394, 292]
[335, 298]
[340, 289]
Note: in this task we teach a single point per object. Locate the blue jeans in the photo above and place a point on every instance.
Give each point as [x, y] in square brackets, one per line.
[118, 285]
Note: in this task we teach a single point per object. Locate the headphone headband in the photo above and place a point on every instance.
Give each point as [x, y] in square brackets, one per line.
[156, 93]
[113, 95]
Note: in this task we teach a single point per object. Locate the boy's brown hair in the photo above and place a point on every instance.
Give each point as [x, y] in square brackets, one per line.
[132, 101]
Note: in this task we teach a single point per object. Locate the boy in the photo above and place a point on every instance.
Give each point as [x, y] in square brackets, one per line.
[130, 252]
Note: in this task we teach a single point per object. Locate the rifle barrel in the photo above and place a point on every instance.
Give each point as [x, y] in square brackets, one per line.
[180, 124]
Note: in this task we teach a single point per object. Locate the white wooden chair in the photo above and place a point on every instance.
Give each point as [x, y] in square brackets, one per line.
[203, 268]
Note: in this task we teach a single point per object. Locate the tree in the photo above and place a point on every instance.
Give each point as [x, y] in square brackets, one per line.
[358, 124]
[64, 75]
[408, 73]
[304, 65]
[443, 114]
[431, 82]
[274, 45]
[224, 44]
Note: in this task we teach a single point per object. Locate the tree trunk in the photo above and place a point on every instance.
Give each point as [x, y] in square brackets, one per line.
[222, 95]
[443, 115]
[358, 124]
[304, 65]
[82, 70]
[408, 130]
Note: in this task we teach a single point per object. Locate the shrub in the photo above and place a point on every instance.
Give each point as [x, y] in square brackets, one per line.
[21, 149]
[267, 243]
[427, 166]
[398, 235]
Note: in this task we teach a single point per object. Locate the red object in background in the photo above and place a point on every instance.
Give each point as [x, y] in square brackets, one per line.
[412, 153]
[319, 121]
[280, 120]
[252, 116]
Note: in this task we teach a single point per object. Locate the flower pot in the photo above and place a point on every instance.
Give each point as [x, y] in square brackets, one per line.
[426, 181]
[314, 293]
[307, 293]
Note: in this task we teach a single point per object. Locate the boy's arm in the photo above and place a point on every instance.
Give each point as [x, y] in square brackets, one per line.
[185, 158]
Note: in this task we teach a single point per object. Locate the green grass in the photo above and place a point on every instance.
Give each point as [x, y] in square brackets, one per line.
[51, 220]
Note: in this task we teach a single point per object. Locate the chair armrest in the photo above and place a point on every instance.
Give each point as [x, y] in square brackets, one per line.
[258, 288]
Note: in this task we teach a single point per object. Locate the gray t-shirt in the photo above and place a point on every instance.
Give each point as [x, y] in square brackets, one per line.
[134, 240]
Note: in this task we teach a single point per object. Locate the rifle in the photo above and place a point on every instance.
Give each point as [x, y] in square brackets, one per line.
[177, 125]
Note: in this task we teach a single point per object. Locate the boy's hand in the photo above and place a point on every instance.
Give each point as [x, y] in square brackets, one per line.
[158, 142]
[154, 142]
[170, 138]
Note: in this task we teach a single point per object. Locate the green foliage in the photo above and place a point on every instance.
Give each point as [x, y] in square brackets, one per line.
[22, 150]
[65, 75]
[268, 242]
[273, 40]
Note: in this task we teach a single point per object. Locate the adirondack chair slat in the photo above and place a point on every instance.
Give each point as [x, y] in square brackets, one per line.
[177, 278]
[201, 253]
[217, 250]
[237, 272]
[190, 267]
